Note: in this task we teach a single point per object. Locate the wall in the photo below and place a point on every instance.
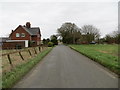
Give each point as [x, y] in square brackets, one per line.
[20, 30]
[12, 45]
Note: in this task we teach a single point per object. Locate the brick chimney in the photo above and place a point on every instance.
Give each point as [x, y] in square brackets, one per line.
[28, 25]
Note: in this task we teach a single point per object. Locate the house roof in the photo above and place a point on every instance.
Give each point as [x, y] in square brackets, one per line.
[32, 31]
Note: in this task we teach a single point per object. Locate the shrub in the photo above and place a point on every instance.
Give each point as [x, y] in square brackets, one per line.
[50, 44]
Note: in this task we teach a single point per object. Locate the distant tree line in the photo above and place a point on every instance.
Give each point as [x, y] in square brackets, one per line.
[72, 34]
[50, 42]
[113, 37]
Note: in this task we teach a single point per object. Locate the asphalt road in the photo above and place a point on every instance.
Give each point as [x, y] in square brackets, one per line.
[66, 68]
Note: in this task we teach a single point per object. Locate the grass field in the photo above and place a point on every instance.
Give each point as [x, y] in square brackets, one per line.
[16, 59]
[107, 55]
[10, 78]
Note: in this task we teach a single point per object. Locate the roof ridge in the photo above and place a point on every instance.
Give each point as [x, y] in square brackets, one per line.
[31, 30]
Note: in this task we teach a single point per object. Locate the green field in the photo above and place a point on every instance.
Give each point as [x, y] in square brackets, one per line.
[107, 55]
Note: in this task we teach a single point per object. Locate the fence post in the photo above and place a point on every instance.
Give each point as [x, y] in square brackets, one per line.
[35, 51]
[9, 60]
[29, 52]
[39, 48]
[21, 55]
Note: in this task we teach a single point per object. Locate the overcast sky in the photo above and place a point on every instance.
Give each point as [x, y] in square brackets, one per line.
[51, 15]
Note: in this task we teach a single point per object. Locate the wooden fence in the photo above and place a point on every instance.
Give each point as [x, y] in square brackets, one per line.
[13, 59]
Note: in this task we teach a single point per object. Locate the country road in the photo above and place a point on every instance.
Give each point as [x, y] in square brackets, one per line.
[66, 68]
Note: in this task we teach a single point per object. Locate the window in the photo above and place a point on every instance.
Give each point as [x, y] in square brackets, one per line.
[17, 35]
[22, 34]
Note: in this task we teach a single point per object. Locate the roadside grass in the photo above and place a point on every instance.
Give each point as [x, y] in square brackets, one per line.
[106, 55]
[10, 78]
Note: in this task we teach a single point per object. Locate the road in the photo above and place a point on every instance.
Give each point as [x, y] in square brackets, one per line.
[66, 68]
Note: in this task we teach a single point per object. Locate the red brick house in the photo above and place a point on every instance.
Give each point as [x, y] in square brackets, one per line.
[26, 32]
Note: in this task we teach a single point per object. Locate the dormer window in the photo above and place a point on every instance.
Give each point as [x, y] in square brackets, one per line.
[17, 35]
[22, 34]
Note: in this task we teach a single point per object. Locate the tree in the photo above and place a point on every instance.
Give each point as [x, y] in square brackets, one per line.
[102, 40]
[116, 36]
[45, 41]
[113, 37]
[69, 32]
[90, 32]
[54, 39]
[109, 39]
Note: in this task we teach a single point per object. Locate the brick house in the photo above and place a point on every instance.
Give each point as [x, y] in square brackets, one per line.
[27, 33]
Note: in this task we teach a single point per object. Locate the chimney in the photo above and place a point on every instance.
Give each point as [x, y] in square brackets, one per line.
[28, 25]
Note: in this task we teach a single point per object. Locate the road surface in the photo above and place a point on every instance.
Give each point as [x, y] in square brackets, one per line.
[66, 68]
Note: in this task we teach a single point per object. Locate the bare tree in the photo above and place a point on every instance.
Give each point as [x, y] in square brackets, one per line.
[91, 33]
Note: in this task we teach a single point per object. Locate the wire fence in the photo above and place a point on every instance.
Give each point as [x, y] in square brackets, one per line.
[12, 59]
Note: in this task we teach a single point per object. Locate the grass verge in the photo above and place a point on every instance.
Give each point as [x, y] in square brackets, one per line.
[10, 78]
[105, 59]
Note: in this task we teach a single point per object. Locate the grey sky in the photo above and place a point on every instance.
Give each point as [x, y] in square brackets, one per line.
[51, 15]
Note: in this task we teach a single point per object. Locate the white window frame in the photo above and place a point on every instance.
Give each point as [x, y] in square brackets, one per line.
[17, 34]
[22, 34]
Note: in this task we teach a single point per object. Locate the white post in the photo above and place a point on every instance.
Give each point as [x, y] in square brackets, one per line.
[26, 43]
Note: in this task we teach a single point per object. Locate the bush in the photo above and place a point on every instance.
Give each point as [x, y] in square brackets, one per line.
[50, 44]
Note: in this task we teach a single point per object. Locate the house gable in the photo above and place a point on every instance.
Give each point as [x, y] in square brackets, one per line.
[26, 32]
[20, 30]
